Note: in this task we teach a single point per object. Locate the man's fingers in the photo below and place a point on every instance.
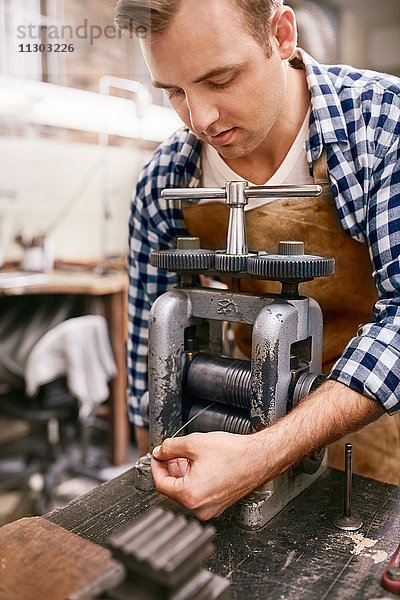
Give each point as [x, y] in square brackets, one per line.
[174, 448]
[165, 483]
[178, 467]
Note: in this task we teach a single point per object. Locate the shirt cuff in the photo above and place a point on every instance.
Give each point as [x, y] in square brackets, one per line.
[370, 366]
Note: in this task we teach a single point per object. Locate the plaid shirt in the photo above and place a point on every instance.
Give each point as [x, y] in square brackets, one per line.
[355, 115]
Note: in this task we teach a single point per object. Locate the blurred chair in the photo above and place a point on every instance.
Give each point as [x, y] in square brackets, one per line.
[66, 375]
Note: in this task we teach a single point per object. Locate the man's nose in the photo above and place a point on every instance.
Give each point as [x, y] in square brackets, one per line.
[202, 114]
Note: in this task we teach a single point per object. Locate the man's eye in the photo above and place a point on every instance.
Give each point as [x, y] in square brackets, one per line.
[223, 85]
[171, 94]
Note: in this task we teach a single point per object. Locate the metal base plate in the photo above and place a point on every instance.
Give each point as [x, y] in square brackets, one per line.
[352, 523]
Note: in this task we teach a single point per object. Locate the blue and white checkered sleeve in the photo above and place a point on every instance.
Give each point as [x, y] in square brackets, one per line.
[370, 363]
[153, 225]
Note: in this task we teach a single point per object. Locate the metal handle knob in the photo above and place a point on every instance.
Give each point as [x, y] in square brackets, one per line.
[260, 192]
[236, 195]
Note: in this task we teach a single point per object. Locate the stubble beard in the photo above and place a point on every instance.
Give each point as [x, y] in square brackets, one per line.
[241, 148]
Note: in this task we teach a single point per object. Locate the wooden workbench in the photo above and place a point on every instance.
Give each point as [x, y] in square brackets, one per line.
[111, 289]
[299, 555]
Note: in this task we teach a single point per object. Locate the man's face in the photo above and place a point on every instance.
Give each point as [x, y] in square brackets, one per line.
[217, 77]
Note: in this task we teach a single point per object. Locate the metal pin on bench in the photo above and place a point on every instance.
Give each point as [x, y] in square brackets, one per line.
[348, 520]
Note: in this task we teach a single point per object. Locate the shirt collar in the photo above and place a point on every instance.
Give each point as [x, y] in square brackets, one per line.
[327, 122]
[187, 166]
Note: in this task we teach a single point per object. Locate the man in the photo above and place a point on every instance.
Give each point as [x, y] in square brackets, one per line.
[230, 71]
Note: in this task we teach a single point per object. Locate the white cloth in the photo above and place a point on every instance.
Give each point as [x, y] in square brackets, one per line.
[80, 349]
[293, 170]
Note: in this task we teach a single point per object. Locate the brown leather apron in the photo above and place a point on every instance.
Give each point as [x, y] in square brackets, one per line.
[346, 298]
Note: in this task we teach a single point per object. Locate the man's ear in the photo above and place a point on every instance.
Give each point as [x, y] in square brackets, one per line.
[284, 32]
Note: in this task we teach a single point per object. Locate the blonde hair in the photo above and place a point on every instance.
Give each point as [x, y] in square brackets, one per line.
[154, 16]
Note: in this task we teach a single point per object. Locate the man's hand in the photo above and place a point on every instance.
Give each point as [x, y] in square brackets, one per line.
[207, 472]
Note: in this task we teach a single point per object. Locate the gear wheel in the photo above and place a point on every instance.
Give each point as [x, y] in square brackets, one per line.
[183, 260]
[188, 256]
[290, 264]
[275, 266]
[231, 263]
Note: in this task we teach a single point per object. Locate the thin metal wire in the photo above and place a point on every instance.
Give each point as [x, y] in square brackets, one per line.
[192, 419]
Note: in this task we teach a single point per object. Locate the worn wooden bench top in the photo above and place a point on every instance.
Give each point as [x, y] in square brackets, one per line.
[299, 555]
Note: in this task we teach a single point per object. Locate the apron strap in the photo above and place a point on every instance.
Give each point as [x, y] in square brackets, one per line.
[319, 170]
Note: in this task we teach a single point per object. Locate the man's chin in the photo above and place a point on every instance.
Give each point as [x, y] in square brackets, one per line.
[235, 150]
[230, 153]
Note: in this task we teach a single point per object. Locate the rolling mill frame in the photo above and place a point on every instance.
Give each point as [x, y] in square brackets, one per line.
[186, 373]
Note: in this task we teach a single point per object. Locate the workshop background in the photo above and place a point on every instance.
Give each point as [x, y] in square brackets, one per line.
[78, 119]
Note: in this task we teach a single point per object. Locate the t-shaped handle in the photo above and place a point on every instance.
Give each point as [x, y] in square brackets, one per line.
[236, 195]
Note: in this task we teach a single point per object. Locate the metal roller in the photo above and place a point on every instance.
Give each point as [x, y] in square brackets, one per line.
[218, 418]
[221, 379]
